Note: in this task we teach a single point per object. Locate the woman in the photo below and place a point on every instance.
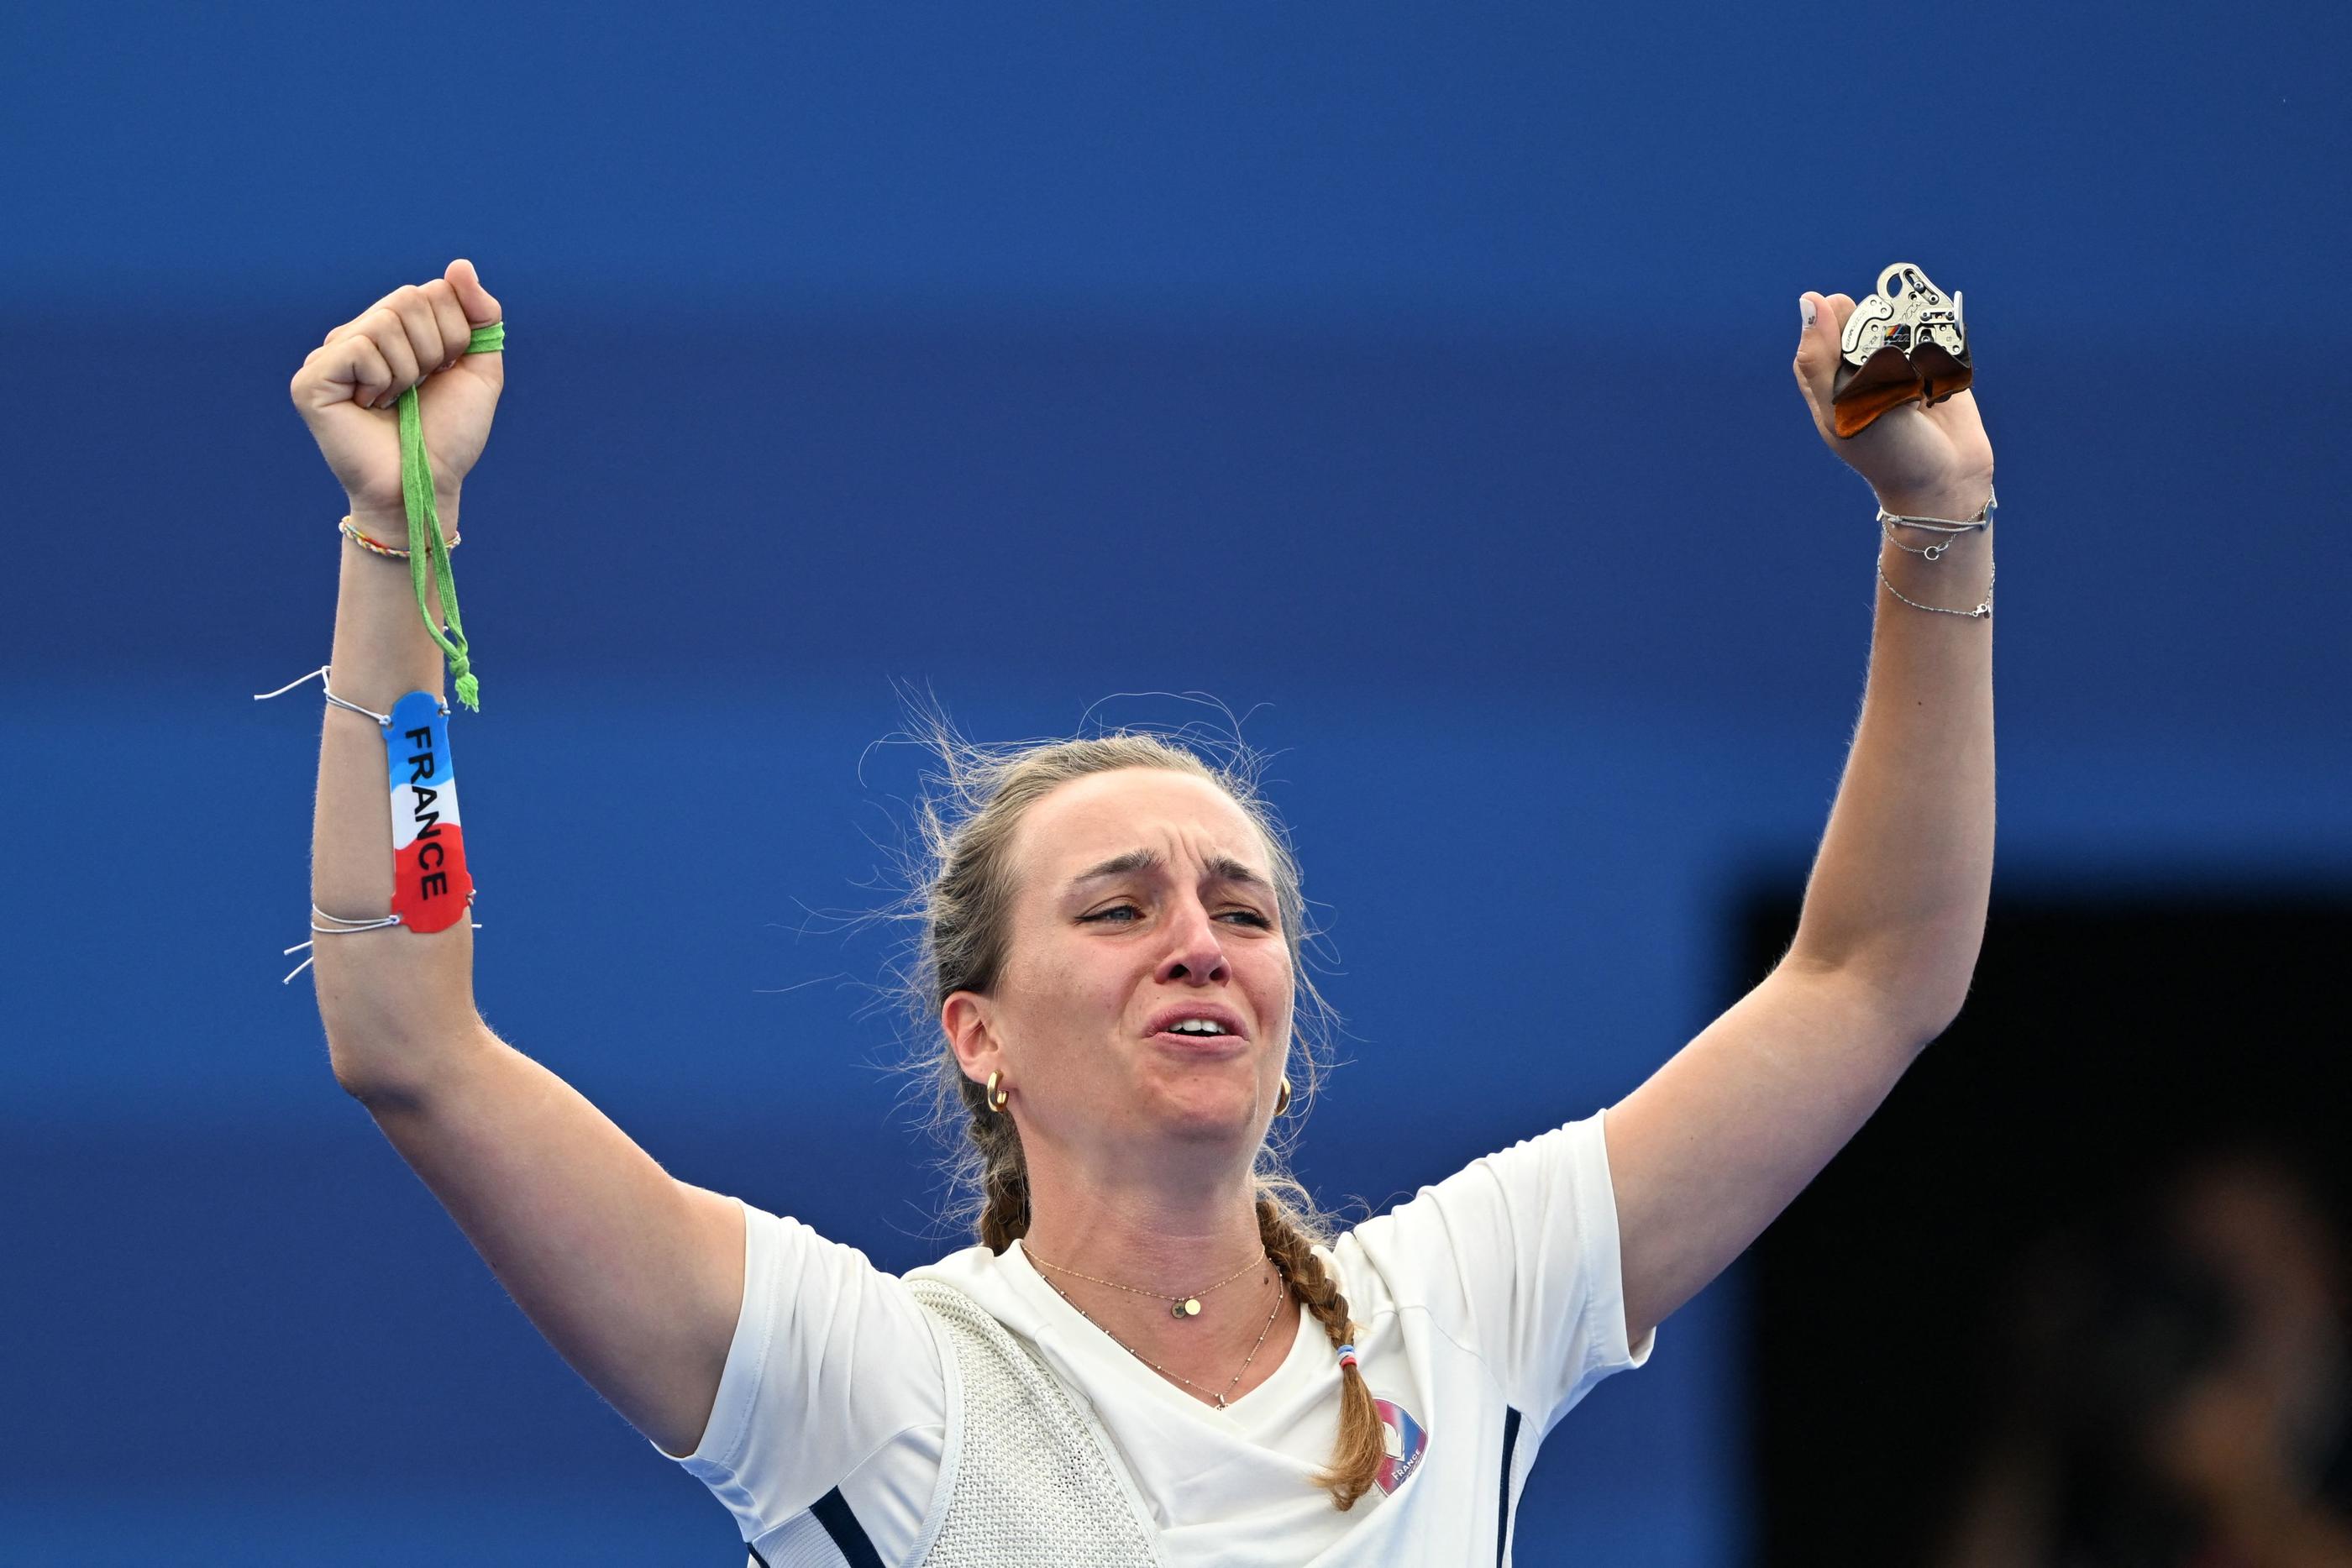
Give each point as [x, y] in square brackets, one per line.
[1149, 1359]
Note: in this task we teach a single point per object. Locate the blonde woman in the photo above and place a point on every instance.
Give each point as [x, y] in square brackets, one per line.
[1155, 1352]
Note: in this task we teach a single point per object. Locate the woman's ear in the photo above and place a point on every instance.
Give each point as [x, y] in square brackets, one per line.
[963, 1018]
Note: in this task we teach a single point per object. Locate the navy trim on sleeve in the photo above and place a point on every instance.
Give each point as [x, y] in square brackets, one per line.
[832, 1511]
[1502, 1510]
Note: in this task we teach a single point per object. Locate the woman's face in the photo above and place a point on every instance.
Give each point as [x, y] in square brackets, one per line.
[1144, 899]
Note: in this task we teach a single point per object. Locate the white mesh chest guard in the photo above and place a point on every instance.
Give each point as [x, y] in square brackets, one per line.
[1028, 1481]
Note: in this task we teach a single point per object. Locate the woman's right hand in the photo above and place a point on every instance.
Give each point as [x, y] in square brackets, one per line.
[347, 388]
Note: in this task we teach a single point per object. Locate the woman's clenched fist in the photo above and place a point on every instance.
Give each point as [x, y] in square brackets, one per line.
[1923, 461]
[347, 388]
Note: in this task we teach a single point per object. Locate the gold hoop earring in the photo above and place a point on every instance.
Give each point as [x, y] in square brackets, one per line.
[997, 1097]
[1282, 1101]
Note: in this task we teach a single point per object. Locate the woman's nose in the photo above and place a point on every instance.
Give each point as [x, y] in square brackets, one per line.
[1194, 953]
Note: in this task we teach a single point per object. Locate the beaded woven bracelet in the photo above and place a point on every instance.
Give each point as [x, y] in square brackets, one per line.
[351, 532]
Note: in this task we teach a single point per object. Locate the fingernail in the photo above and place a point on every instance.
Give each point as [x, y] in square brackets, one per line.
[1805, 310]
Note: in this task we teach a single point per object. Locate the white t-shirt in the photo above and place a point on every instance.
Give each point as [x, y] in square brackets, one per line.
[1487, 1306]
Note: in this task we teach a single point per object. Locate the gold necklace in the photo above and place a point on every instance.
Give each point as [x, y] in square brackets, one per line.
[1281, 1295]
[1179, 1306]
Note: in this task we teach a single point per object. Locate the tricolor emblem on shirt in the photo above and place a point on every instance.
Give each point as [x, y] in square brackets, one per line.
[1403, 1441]
[430, 885]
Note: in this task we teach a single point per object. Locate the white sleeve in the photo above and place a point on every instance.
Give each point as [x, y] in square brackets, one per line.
[1516, 1258]
[831, 1360]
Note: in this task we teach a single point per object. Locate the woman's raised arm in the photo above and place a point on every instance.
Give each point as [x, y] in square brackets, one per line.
[635, 1278]
[1722, 1138]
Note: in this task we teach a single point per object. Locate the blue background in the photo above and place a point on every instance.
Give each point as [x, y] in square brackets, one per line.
[1415, 381]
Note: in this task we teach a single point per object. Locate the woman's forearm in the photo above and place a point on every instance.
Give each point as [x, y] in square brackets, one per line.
[391, 997]
[1898, 895]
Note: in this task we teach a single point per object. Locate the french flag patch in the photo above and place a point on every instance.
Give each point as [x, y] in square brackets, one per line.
[1404, 1441]
[430, 885]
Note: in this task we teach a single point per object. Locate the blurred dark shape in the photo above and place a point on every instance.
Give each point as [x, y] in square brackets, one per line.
[2178, 1385]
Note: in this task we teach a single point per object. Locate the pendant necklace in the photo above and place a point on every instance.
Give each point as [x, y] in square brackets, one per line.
[1281, 1295]
[1179, 1306]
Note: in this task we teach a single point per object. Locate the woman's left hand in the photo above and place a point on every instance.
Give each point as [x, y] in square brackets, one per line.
[1923, 461]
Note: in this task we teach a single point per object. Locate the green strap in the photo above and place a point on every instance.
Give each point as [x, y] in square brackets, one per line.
[425, 542]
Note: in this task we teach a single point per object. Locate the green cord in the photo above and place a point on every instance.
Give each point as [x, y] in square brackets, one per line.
[425, 541]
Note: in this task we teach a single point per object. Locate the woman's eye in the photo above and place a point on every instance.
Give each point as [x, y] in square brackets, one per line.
[1250, 917]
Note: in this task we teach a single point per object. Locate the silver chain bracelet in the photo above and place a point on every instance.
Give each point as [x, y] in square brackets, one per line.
[1889, 521]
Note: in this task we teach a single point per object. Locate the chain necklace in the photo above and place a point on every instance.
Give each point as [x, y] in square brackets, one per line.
[1281, 1295]
[1179, 1306]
